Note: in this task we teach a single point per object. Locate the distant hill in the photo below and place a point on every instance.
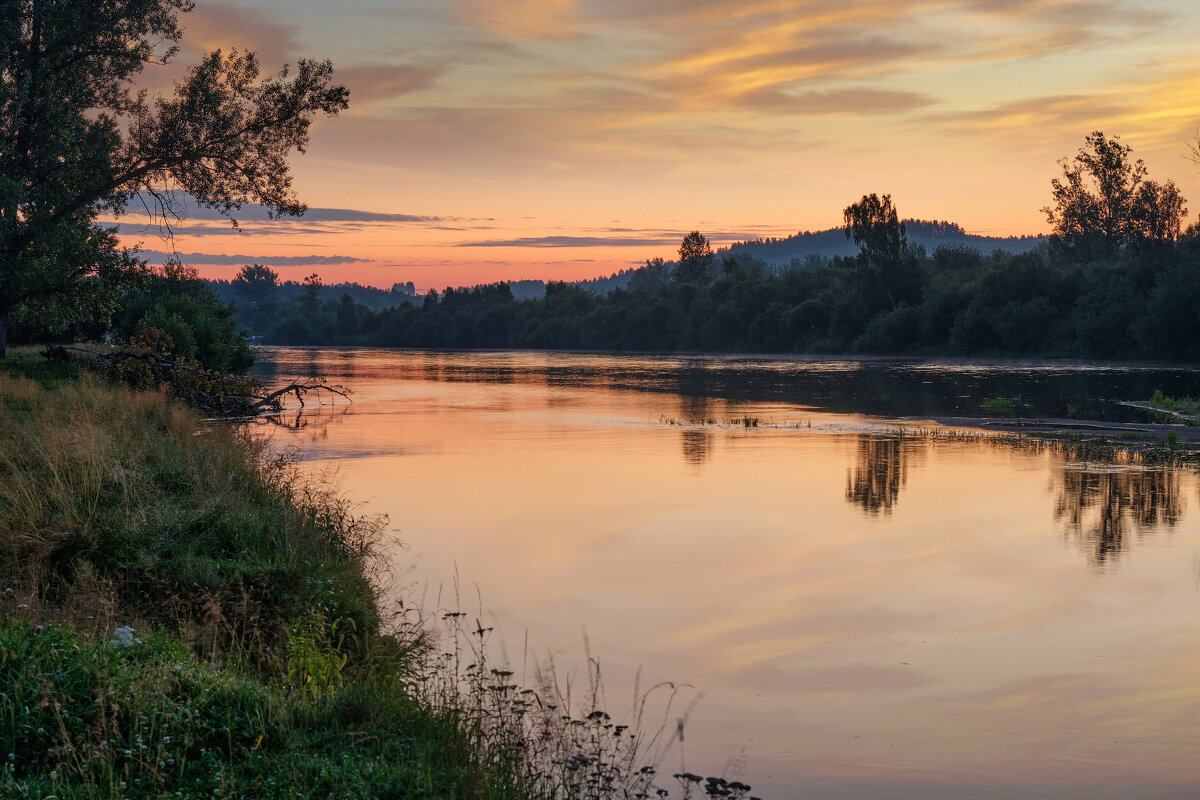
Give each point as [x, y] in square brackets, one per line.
[804, 250]
[826, 244]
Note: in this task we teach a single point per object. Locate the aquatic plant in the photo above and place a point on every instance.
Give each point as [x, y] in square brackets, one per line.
[1181, 405]
[1005, 406]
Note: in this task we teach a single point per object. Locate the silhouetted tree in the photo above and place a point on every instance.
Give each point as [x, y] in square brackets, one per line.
[257, 284]
[310, 294]
[885, 261]
[655, 273]
[876, 228]
[76, 139]
[695, 258]
[1103, 203]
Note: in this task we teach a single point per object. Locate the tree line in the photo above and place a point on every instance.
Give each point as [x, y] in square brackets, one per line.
[1119, 277]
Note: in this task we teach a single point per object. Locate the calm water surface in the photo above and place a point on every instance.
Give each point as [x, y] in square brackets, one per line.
[866, 615]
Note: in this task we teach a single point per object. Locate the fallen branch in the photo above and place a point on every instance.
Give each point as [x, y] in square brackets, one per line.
[212, 392]
[274, 400]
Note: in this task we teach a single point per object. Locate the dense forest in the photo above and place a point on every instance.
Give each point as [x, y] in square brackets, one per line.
[952, 301]
[1118, 277]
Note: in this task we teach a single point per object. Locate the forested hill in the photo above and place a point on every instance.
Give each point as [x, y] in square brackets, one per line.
[807, 249]
[833, 242]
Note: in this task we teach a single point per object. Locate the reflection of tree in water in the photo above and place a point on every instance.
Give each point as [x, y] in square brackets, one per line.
[697, 442]
[697, 445]
[1104, 506]
[696, 410]
[880, 472]
[313, 420]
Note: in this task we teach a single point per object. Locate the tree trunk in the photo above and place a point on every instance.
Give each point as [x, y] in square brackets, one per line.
[4, 334]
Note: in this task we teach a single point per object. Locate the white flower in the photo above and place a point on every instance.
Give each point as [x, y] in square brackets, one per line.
[125, 638]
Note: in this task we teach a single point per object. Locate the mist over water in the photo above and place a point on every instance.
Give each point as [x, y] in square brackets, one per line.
[865, 613]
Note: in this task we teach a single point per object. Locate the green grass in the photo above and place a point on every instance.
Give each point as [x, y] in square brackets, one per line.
[125, 505]
[1003, 406]
[82, 718]
[27, 362]
[1183, 405]
[262, 671]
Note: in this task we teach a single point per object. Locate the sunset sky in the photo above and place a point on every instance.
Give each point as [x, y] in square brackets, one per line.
[563, 139]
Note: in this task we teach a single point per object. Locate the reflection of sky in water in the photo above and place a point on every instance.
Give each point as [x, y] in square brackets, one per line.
[866, 615]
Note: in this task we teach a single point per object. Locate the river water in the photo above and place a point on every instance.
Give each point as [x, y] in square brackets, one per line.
[865, 614]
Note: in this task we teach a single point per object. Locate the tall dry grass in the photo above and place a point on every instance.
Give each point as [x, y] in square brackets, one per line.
[111, 514]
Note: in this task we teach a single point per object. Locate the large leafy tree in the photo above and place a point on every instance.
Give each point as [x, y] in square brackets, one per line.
[695, 257]
[77, 139]
[875, 227]
[886, 261]
[257, 284]
[1103, 204]
[198, 325]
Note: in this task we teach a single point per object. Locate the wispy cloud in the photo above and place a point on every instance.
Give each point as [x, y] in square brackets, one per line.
[524, 19]
[221, 259]
[373, 82]
[573, 112]
[216, 25]
[189, 210]
[838, 101]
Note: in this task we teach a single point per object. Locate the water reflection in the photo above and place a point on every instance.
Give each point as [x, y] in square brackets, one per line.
[837, 591]
[879, 473]
[883, 387]
[1104, 505]
[696, 409]
[697, 445]
[313, 420]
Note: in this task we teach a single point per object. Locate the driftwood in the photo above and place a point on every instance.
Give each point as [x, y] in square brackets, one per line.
[212, 392]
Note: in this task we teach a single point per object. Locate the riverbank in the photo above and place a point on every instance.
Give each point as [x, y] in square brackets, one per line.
[182, 616]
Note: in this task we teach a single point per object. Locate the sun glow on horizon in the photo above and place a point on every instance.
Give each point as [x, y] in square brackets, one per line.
[570, 139]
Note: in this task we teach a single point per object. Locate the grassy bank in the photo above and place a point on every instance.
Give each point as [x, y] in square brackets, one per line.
[182, 616]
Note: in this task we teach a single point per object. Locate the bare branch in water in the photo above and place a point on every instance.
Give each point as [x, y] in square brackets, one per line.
[211, 392]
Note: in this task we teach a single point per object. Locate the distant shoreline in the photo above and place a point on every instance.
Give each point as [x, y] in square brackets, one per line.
[873, 358]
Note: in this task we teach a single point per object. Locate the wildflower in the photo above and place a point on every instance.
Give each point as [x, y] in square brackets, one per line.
[38, 629]
[125, 638]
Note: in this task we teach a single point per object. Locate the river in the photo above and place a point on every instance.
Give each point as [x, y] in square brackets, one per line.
[866, 613]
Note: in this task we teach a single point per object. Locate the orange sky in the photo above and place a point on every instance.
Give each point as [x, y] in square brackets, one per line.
[571, 138]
